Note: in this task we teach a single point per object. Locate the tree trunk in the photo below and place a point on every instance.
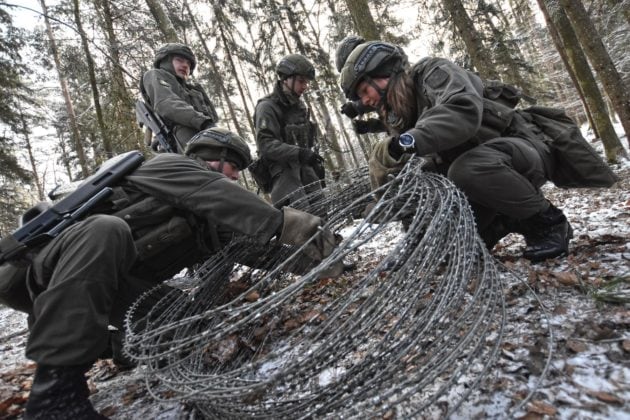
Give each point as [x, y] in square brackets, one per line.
[163, 22]
[226, 47]
[31, 158]
[107, 146]
[74, 128]
[600, 59]
[362, 19]
[128, 133]
[330, 136]
[569, 48]
[466, 29]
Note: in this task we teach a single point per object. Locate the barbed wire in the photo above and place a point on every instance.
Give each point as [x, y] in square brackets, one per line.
[259, 332]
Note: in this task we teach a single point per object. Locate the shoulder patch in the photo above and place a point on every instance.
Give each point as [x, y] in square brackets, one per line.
[263, 123]
[436, 78]
[164, 83]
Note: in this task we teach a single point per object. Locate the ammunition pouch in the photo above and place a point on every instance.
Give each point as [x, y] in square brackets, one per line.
[301, 135]
[260, 172]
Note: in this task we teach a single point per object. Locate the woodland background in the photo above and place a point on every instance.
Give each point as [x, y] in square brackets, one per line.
[70, 69]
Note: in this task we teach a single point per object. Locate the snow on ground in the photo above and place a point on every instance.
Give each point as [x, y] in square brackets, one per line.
[584, 299]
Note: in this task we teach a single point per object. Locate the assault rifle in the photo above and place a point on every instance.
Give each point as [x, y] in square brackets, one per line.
[46, 223]
[146, 117]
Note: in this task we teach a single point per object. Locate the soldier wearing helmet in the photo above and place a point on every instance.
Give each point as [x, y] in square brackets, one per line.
[184, 106]
[355, 108]
[285, 135]
[170, 213]
[489, 150]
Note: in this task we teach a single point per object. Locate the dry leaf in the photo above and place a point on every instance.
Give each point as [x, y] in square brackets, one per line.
[606, 397]
[541, 407]
[566, 279]
[576, 346]
[625, 345]
[252, 296]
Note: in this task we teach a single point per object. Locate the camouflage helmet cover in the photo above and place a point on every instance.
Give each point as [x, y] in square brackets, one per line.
[175, 49]
[295, 64]
[375, 59]
[218, 143]
[344, 49]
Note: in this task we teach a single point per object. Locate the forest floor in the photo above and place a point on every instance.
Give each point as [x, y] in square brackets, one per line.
[584, 298]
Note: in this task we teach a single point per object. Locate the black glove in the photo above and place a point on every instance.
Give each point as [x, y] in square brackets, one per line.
[371, 125]
[307, 156]
[394, 148]
[350, 109]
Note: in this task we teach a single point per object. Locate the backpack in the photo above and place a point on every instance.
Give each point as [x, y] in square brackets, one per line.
[577, 163]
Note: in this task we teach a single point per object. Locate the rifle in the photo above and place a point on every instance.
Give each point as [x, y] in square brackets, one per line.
[52, 221]
[146, 117]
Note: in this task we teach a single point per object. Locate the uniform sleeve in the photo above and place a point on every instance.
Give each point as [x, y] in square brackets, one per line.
[162, 89]
[455, 108]
[187, 185]
[269, 135]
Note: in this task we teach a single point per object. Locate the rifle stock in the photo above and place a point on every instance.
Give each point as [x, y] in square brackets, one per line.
[52, 221]
[146, 117]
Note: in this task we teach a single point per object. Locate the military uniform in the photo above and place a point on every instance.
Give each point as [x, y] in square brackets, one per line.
[492, 153]
[168, 214]
[283, 128]
[498, 156]
[184, 107]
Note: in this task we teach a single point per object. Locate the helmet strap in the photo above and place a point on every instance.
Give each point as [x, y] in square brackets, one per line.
[382, 92]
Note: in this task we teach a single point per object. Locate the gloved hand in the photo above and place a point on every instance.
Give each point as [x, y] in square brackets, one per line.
[394, 148]
[299, 227]
[307, 156]
[371, 125]
[350, 109]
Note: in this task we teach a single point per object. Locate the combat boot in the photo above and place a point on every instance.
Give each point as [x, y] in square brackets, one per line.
[547, 235]
[60, 393]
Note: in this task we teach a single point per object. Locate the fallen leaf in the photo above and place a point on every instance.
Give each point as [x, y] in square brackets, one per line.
[541, 407]
[252, 296]
[566, 279]
[625, 345]
[576, 346]
[606, 397]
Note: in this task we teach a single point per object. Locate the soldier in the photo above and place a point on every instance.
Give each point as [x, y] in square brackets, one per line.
[489, 150]
[354, 109]
[170, 213]
[285, 135]
[184, 106]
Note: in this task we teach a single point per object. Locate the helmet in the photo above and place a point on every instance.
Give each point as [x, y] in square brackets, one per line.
[218, 143]
[344, 49]
[174, 49]
[295, 64]
[375, 59]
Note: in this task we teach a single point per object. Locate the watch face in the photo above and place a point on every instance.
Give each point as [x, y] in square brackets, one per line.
[406, 140]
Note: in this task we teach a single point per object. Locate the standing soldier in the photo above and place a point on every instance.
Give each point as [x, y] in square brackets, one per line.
[285, 135]
[184, 106]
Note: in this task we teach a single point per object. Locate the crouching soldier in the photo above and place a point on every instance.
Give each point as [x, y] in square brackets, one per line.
[169, 213]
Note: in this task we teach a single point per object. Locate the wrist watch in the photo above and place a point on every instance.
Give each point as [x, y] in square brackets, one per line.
[407, 142]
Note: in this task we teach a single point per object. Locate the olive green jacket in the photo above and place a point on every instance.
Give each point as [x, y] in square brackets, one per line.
[184, 107]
